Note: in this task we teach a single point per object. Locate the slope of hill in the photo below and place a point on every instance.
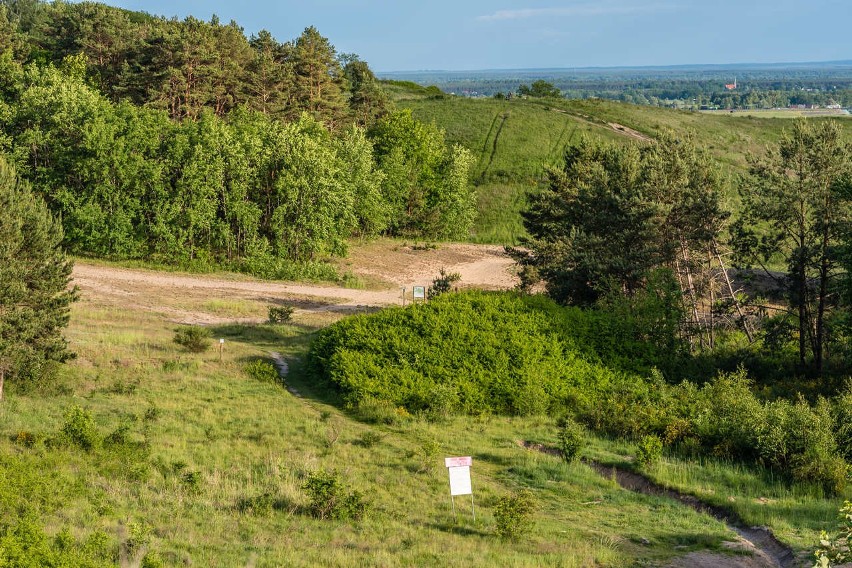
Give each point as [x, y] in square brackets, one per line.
[199, 459]
[515, 140]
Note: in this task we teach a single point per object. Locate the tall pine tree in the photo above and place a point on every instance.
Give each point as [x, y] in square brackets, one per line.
[34, 278]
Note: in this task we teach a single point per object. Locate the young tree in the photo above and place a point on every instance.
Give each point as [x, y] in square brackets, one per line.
[797, 205]
[593, 227]
[34, 278]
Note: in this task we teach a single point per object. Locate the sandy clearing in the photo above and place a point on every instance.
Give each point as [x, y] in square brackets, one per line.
[174, 294]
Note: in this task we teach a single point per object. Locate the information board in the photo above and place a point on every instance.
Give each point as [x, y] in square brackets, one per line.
[459, 469]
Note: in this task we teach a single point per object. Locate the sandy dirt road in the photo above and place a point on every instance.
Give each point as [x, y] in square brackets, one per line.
[192, 298]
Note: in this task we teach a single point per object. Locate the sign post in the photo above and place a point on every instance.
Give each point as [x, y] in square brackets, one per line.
[221, 348]
[419, 293]
[459, 470]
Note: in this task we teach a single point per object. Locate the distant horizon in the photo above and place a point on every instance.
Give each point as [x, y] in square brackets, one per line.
[720, 66]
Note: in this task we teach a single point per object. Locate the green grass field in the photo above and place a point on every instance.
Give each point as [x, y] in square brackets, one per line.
[514, 141]
[218, 480]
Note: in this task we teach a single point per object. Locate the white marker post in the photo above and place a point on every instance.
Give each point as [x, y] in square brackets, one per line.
[221, 348]
[459, 470]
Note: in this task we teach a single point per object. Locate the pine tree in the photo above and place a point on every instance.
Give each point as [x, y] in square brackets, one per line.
[318, 78]
[34, 278]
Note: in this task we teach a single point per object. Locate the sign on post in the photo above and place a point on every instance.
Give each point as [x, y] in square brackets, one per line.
[420, 293]
[459, 470]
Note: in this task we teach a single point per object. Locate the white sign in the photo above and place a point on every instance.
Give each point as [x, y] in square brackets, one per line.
[420, 292]
[459, 469]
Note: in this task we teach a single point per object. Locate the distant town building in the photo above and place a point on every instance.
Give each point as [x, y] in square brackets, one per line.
[731, 86]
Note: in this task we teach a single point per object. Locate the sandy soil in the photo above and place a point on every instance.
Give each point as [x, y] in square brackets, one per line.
[181, 297]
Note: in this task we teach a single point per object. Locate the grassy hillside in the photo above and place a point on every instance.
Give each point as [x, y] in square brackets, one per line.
[513, 141]
[194, 461]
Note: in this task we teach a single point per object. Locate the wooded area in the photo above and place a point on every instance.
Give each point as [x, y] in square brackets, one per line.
[187, 141]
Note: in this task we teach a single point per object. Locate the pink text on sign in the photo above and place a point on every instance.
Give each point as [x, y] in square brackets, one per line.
[458, 462]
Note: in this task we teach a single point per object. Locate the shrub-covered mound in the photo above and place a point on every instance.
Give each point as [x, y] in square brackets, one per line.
[507, 353]
[474, 352]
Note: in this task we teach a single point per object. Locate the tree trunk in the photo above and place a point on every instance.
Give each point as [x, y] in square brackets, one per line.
[820, 320]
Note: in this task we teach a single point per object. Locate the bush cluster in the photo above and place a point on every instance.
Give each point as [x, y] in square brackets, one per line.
[330, 499]
[513, 514]
[505, 353]
[474, 352]
[193, 338]
[724, 418]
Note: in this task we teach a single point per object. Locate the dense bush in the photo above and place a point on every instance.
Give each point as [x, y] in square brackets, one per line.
[280, 314]
[513, 514]
[79, 428]
[650, 450]
[471, 352]
[330, 499]
[193, 338]
[262, 371]
[571, 438]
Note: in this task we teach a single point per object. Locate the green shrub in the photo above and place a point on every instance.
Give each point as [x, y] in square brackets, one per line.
[649, 451]
[330, 499]
[258, 505]
[280, 314]
[193, 338]
[79, 428]
[732, 419]
[837, 550]
[513, 514]
[571, 438]
[369, 439]
[262, 371]
[843, 422]
[374, 411]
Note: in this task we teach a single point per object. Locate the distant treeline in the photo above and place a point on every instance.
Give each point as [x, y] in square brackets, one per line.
[768, 88]
[186, 141]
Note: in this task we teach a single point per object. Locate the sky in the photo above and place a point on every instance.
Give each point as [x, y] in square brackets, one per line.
[406, 35]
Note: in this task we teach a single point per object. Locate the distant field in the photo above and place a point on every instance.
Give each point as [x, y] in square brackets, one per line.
[514, 141]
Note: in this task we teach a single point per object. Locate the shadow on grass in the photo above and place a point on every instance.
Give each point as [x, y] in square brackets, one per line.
[455, 527]
[502, 461]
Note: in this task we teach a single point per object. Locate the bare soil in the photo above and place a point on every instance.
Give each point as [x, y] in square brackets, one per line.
[187, 298]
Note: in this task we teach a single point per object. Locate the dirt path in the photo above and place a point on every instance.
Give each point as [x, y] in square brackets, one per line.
[187, 298]
[756, 547]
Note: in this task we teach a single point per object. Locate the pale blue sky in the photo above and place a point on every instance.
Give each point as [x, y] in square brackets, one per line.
[399, 35]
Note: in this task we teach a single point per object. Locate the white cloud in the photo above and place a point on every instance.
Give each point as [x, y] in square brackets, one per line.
[577, 10]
